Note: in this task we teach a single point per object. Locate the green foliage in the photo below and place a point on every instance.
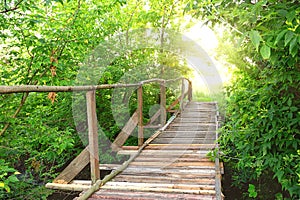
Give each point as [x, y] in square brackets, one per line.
[7, 176]
[261, 133]
[252, 191]
[45, 43]
[201, 96]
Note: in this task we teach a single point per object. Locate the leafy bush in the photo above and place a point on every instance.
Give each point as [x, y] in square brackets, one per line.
[262, 127]
[261, 135]
[7, 177]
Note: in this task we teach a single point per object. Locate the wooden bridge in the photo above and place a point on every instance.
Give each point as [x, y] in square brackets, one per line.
[172, 164]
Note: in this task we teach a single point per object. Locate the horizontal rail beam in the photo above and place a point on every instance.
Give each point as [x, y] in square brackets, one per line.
[42, 88]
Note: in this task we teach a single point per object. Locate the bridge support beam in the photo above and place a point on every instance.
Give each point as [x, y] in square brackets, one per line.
[140, 115]
[163, 112]
[93, 135]
[190, 91]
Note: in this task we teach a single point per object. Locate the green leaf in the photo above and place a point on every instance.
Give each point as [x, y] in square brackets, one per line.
[282, 12]
[291, 16]
[265, 52]
[252, 191]
[255, 38]
[293, 109]
[12, 179]
[289, 102]
[280, 36]
[293, 49]
[288, 36]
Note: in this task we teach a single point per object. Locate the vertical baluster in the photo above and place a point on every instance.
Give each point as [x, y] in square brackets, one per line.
[140, 116]
[93, 135]
[182, 95]
[163, 114]
[190, 91]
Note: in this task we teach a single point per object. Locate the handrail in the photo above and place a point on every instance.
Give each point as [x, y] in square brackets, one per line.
[90, 154]
[4, 89]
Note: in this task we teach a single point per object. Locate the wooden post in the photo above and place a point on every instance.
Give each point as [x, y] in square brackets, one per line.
[163, 115]
[190, 91]
[140, 115]
[93, 135]
[182, 95]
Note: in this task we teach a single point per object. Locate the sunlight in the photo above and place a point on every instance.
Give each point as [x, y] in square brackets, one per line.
[207, 39]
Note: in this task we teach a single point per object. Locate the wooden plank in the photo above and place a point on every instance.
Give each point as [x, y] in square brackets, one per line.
[171, 152]
[183, 124]
[202, 118]
[81, 182]
[140, 116]
[138, 186]
[183, 141]
[199, 128]
[207, 164]
[130, 147]
[93, 135]
[69, 187]
[195, 172]
[109, 166]
[183, 134]
[187, 157]
[199, 109]
[169, 148]
[170, 166]
[178, 147]
[192, 190]
[153, 179]
[194, 120]
[197, 115]
[153, 126]
[134, 195]
[126, 132]
[176, 175]
[176, 156]
[175, 159]
[189, 132]
[127, 152]
[69, 173]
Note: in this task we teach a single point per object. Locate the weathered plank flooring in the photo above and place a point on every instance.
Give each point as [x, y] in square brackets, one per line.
[174, 165]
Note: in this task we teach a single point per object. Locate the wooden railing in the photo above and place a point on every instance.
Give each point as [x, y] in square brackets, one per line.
[90, 154]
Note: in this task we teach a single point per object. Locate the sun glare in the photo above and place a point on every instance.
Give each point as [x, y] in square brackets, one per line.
[208, 41]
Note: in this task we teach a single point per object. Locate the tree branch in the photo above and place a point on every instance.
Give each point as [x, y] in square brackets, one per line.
[11, 9]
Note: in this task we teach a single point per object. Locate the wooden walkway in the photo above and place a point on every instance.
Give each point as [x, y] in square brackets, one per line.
[175, 164]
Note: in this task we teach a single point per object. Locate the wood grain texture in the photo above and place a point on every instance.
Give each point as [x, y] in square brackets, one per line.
[174, 164]
[74, 167]
[93, 135]
[126, 132]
